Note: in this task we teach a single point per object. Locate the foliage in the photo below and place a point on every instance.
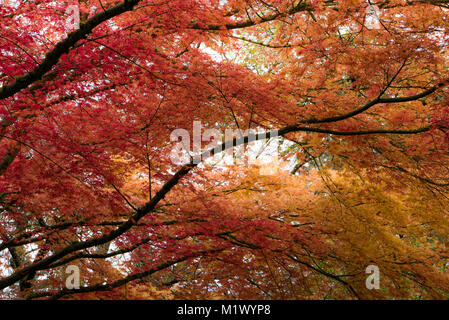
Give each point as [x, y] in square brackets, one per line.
[86, 176]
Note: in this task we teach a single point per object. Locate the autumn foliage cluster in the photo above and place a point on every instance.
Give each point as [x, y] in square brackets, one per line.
[360, 102]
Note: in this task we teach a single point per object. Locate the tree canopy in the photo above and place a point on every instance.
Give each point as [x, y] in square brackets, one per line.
[355, 91]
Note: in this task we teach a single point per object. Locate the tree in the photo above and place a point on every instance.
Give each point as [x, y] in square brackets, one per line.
[86, 172]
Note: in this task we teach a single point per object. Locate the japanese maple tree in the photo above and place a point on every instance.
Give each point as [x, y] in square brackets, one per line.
[355, 91]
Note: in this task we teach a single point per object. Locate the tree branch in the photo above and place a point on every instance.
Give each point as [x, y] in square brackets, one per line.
[63, 47]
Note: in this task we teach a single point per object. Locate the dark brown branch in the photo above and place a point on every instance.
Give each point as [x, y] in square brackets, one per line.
[372, 103]
[301, 6]
[9, 157]
[327, 274]
[64, 47]
[119, 283]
